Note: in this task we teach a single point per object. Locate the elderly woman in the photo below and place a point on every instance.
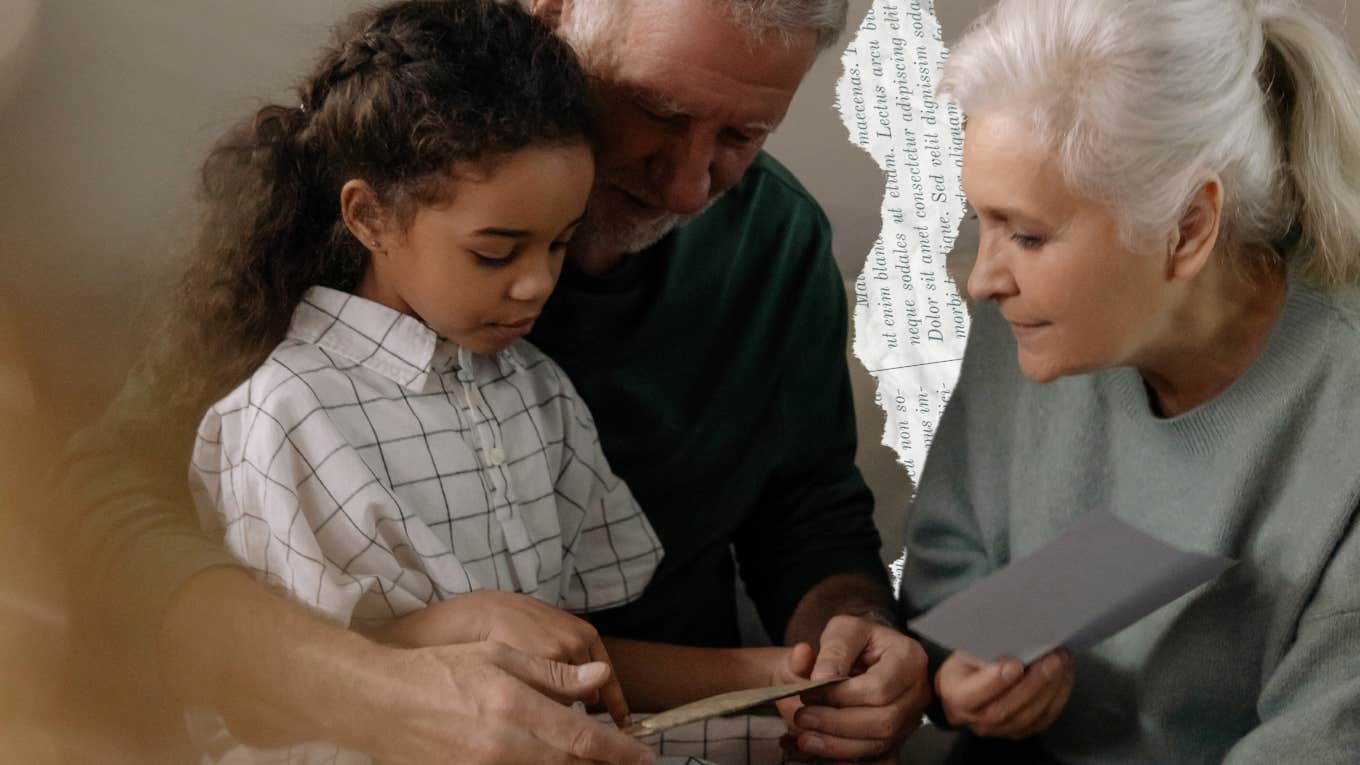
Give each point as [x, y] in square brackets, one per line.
[1166, 328]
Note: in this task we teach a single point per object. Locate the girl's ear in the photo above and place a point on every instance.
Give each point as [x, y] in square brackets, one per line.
[364, 216]
[1197, 233]
[547, 11]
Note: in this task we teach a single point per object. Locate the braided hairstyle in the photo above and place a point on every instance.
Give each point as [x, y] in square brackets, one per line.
[408, 91]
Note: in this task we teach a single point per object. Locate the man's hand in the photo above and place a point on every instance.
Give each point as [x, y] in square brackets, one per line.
[1004, 699]
[519, 621]
[488, 703]
[869, 715]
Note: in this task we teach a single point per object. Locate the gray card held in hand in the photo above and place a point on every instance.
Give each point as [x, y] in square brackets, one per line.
[1099, 577]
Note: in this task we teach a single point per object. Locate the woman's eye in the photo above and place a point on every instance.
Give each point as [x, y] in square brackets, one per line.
[560, 245]
[1028, 242]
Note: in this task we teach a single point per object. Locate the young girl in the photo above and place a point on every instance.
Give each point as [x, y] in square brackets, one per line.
[395, 235]
[399, 458]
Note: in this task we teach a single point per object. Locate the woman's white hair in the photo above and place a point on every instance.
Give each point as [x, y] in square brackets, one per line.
[1145, 100]
[592, 19]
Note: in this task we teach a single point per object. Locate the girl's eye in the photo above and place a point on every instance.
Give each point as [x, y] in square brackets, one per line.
[491, 261]
[1028, 242]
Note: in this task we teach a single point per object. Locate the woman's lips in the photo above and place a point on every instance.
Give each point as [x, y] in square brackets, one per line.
[1026, 329]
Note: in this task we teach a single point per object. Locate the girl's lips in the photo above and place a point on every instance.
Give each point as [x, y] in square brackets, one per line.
[514, 330]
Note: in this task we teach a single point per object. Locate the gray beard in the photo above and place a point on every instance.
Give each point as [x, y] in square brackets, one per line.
[603, 232]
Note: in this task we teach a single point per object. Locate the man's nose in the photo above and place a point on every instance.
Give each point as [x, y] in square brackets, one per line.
[991, 277]
[683, 173]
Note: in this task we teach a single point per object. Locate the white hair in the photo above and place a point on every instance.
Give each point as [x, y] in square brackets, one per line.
[591, 19]
[1145, 100]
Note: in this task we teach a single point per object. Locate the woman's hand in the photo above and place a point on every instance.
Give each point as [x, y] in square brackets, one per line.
[485, 703]
[519, 621]
[1004, 699]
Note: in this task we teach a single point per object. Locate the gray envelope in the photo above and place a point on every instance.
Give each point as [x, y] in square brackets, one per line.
[1099, 577]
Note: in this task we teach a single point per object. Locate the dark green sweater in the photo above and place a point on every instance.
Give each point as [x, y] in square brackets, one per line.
[714, 364]
[715, 368]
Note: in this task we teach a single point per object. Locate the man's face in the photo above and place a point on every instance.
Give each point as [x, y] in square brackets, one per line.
[685, 99]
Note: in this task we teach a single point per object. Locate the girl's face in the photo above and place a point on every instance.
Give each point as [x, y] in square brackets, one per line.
[479, 268]
[1076, 298]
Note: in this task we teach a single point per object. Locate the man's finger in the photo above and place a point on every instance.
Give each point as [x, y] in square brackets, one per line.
[841, 643]
[836, 748]
[498, 742]
[878, 685]
[576, 734]
[881, 722]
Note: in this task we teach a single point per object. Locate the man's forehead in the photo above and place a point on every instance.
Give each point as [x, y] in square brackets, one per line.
[748, 116]
[690, 56]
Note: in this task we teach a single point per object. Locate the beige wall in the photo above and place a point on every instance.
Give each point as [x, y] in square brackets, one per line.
[106, 109]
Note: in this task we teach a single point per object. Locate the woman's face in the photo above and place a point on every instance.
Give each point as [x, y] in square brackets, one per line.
[479, 268]
[1076, 298]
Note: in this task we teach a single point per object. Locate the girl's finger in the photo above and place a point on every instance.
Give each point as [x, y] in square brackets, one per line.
[611, 693]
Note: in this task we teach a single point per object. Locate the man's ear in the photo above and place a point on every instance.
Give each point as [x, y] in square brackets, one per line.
[363, 215]
[548, 11]
[1196, 234]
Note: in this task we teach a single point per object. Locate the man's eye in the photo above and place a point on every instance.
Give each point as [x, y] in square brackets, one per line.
[1028, 242]
[739, 138]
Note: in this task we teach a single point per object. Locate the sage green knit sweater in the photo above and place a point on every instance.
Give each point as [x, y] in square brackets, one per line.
[1261, 666]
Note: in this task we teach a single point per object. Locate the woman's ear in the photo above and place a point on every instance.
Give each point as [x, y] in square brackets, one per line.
[363, 215]
[1196, 234]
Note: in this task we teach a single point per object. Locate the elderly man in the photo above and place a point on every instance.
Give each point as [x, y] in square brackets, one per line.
[702, 317]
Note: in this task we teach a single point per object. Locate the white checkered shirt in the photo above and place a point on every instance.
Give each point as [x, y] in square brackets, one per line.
[370, 468]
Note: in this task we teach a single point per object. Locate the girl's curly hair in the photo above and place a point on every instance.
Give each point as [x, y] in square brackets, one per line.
[408, 91]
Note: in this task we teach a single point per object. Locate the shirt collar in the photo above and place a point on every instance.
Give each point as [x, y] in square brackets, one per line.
[399, 347]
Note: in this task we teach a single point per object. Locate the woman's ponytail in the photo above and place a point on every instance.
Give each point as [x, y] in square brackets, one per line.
[1316, 86]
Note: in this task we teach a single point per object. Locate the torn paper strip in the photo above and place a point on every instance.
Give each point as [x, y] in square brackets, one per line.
[910, 322]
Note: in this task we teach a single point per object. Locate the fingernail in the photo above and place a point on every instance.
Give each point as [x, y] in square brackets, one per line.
[812, 743]
[593, 672]
[808, 720]
[1010, 671]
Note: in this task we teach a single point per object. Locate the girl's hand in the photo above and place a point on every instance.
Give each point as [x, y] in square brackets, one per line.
[1003, 699]
[519, 621]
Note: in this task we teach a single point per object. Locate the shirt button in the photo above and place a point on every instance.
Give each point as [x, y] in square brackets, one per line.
[496, 455]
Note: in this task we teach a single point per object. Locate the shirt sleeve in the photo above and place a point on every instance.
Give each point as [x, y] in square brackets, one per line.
[127, 527]
[814, 519]
[609, 548]
[951, 536]
[292, 500]
[1310, 705]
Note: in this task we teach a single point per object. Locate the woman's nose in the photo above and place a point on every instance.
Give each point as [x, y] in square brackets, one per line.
[991, 277]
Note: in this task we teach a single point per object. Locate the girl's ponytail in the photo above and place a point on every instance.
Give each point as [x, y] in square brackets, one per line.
[1316, 86]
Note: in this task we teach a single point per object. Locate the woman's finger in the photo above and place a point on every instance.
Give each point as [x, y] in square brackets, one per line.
[965, 687]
